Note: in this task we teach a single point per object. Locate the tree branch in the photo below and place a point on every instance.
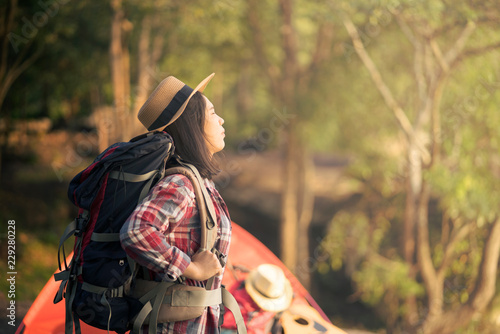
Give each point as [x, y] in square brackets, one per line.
[480, 50]
[482, 295]
[418, 68]
[14, 73]
[157, 52]
[485, 286]
[436, 50]
[405, 28]
[258, 41]
[8, 25]
[289, 45]
[398, 112]
[457, 235]
[324, 39]
[377, 78]
[288, 37]
[452, 54]
[424, 257]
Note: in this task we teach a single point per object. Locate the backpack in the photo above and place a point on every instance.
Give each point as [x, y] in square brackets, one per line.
[99, 284]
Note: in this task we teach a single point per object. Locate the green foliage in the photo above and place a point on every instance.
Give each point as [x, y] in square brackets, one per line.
[467, 178]
[73, 62]
[347, 240]
[378, 277]
[357, 243]
[463, 182]
[468, 193]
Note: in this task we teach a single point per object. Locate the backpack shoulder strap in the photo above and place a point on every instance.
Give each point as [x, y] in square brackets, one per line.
[207, 198]
[204, 202]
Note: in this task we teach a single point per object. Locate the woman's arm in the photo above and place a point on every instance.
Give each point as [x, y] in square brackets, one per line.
[143, 236]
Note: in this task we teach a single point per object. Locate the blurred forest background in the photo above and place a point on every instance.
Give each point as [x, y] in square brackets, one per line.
[362, 138]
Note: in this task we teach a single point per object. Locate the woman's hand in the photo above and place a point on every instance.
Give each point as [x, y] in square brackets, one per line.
[203, 266]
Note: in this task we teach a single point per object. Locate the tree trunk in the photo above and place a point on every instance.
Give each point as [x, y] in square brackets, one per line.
[289, 215]
[288, 81]
[126, 113]
[144, 77]
[288, 85]
[306, 195]
[118, 74]
[244, 98]
[148, 56]
[103, 118]
[482, 295]
[408, 240]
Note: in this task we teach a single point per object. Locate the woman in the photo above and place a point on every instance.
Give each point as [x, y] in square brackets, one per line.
[163, 232]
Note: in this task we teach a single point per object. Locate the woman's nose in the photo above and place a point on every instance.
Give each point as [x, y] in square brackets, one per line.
[221, 120]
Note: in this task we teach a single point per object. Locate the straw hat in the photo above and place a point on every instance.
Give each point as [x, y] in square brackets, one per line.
[269, 288]
[167, 102]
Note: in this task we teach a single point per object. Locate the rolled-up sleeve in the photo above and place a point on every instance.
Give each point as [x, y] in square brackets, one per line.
[147, 235]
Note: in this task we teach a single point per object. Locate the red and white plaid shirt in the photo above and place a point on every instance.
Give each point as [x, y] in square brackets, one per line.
[164, 232]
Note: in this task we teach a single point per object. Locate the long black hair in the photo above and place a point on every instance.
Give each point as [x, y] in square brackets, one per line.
[189, 137]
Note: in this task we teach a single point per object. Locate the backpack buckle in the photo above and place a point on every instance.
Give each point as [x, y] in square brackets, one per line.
[221, 257]
[81, 222]
[223, 260]
[114, 293]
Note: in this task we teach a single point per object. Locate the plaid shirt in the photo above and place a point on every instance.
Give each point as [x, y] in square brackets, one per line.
[164, 232]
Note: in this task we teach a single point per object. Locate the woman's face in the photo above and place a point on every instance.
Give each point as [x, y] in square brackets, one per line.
[214, 131]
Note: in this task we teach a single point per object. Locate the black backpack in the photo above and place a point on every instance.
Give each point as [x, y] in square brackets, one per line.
[97, 281]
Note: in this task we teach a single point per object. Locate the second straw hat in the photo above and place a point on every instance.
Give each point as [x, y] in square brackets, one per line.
[167, 102]
[269, 288]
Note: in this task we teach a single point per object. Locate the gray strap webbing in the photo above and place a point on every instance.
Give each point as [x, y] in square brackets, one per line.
[113, 292]
[61, 276]
[60, 292]
[153, 292]
[141, 317]
[210, 283]
[206, 196]
[64, 275]
[231, 303]
[129, 177]
[145, 189]
[105, 301]
[153, 320]
[148, 308]
[181, 297]
[208, 235]
[68, 232]
[70, 295]
[194, 298]
[69, 310]
[205, 242]
[211, 230]
[105, 237]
